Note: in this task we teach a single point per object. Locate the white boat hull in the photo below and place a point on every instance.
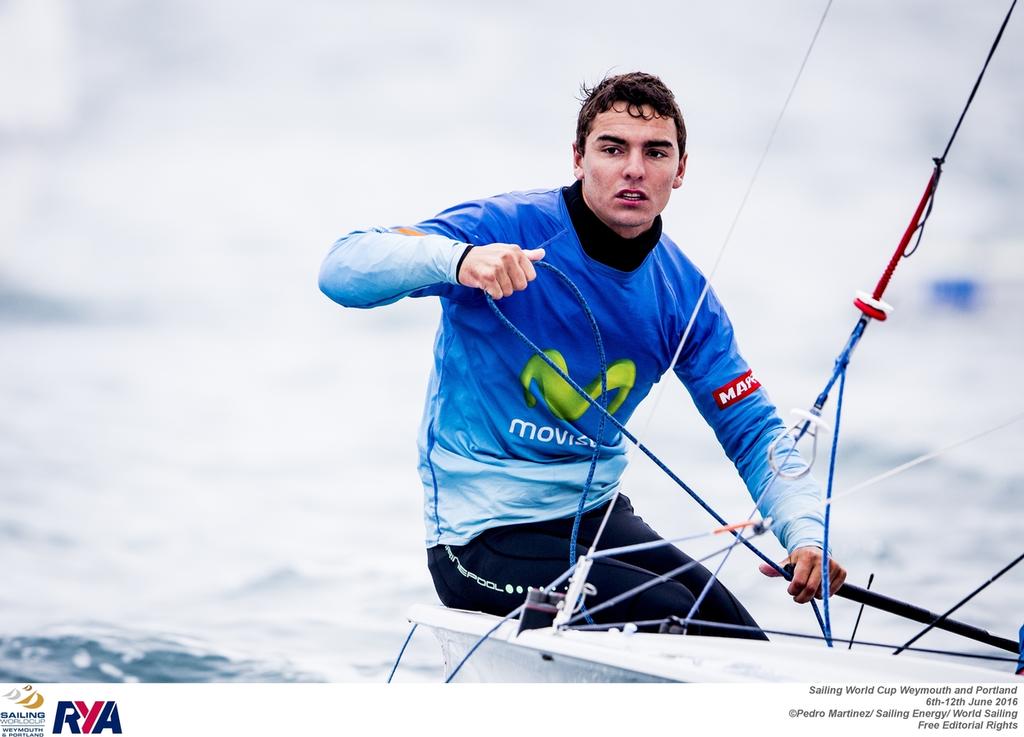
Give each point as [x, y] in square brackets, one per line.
[544, 655]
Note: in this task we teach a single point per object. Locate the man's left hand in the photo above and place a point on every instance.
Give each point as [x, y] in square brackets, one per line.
[806, 583]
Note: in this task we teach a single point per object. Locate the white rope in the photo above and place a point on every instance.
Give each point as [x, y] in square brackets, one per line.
[659, 389]
[921, 459]
[739, 210]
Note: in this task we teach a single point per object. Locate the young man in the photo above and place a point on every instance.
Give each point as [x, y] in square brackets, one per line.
[505, 443]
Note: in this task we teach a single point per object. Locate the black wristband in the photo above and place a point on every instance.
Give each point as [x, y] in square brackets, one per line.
[458, 266]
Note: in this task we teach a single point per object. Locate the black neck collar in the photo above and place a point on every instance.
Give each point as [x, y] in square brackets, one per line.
[602, 243]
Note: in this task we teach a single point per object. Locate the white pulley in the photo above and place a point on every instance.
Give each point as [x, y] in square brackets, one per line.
[808, 423]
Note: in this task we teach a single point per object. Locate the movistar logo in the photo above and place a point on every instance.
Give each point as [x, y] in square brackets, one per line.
[561, 399]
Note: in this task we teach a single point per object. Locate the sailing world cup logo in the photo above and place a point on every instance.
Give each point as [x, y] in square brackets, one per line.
[21, 715]
[25, 697]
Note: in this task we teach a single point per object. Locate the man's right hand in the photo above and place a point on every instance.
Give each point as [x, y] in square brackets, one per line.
[499, 269]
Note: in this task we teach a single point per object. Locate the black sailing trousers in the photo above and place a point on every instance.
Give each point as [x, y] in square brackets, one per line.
[492, 572]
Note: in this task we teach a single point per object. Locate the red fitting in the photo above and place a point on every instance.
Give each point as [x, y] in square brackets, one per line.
[905, 240]
[869, 310]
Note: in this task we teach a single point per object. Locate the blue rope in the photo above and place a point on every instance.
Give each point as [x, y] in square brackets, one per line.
[842, 360]
[825, 573]
[626, 433]
[482, 640]
[401, 652]
[838, 373]
[817, 615]
[602, 398]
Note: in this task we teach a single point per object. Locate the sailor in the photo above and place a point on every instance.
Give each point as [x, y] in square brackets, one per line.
[506, 444]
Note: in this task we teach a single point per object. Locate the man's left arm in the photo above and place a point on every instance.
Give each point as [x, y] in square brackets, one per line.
[731, 399]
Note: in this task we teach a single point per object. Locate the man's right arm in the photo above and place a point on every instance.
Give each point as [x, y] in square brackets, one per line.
[380, 266]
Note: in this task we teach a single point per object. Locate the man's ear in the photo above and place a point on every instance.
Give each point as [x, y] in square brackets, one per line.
[577, 162]
[678, 181]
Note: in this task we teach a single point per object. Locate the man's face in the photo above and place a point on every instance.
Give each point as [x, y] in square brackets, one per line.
[629, 168]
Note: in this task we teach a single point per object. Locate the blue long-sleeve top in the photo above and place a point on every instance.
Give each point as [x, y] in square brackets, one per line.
[503, 439]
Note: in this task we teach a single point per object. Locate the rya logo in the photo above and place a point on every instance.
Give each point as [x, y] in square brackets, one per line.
[94, 719]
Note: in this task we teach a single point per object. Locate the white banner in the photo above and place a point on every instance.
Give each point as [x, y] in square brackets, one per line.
[425, 710]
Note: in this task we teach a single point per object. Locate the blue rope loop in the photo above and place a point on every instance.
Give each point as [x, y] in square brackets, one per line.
[602, 401]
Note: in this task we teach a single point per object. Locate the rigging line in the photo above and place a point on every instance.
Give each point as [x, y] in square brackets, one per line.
[842, 361]
[916, 224]
[711, 580]
[825, 573]
[655, 581]
[860, 612]
[656, 397]
[788, 633]
[608, 552]
[959, 604]
[933, 187]
[483, 639]
[977, 82]
[760, 163]
[921, 459]
[402, 652]
[605, 518]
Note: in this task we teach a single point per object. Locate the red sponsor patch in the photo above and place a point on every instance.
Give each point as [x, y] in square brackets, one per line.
[736, 390]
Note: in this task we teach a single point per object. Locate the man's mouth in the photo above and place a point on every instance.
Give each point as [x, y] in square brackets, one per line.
[631, 195]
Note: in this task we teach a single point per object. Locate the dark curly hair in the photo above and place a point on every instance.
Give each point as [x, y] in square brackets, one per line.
[637, 90]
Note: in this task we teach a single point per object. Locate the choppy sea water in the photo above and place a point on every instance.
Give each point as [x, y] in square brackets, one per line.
[207, 470]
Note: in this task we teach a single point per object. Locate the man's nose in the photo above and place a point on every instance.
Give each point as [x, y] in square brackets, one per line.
[634, 168]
